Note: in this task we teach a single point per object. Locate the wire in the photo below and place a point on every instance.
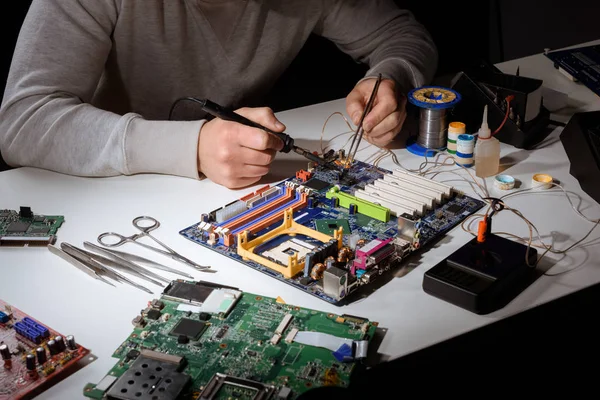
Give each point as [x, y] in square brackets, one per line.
[192, 99]
[508, 99]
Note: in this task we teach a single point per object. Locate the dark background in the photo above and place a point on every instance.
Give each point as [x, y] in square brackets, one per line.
[547, 346]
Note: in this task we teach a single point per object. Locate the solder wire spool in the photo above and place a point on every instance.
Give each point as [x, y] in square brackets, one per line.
[434, 102]
[465, 146]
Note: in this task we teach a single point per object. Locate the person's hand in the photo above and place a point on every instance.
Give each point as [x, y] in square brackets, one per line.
[387, 115]
[234, 155]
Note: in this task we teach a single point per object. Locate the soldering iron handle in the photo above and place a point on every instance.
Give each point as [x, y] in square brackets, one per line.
[228, 115]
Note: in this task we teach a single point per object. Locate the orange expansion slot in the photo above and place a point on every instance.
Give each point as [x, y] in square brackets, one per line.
[259, 212]
[228, 239]
[276, 217]
[259, 191]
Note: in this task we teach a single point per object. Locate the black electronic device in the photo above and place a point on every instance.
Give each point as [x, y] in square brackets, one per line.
[581, 140]
[482, 277]
[523, 117]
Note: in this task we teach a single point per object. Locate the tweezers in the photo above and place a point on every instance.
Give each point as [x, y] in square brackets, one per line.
[85, 257]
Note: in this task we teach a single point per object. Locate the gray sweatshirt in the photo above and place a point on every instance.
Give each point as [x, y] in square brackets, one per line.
[92, 81]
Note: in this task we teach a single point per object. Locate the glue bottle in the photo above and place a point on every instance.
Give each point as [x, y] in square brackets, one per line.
[487, 150]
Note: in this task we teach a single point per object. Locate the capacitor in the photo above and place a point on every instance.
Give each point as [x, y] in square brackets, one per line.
[334, 201]
[311, 202]
[60, 343]
[360, 243]
[5, 352]
[344, 254]
[52, 347]
[317, 271]
[352, 209]
[71, 344]
[41, 355]
[30, 362]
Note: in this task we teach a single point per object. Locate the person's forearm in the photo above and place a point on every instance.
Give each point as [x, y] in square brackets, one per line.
[59, 133]
[46, 119]
[386, 38]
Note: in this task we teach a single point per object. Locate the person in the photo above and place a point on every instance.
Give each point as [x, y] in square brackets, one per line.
[92, 81]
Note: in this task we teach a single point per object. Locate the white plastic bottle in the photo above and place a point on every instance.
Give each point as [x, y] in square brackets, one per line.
[487, 150]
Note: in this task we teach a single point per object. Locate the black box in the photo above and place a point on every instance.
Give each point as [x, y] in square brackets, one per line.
[482, 277]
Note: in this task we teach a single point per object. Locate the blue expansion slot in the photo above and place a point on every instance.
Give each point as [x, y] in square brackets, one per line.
[249, 210]
[280, 209]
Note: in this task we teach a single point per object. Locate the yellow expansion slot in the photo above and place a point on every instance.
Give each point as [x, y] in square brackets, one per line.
[246, 248]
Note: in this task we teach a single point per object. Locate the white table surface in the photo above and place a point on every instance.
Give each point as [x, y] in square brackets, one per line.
[99, 316]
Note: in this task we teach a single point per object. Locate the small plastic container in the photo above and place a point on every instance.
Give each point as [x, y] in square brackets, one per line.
[487, 151]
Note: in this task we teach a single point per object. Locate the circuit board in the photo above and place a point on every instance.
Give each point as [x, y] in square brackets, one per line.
[581, 63]
[34, 356]
[332, 232]
[24, 228]
[204, 341]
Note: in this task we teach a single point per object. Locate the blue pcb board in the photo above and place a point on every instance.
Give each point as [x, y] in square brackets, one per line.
[335, 277]
[582, 63]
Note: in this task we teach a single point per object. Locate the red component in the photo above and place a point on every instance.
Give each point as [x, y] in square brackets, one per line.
[482, 230]
[16, 381]
[303, 175]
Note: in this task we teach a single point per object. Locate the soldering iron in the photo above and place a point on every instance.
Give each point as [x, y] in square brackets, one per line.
[230, 115]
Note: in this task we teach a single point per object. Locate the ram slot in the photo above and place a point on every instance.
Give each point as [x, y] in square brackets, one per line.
[408, 193]
[395, 208]
[274, 216]
[419, 207]
[406, 184]
[230, 211]
[255, 213]
[421, 180]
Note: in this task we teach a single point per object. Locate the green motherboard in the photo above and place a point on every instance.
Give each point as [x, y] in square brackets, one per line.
[205, 341]
[24, 228]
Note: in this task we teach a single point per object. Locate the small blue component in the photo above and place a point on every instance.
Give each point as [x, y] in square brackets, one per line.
[344, 353]
[27, 331]
[360, 273]
[3, 318]
[40, 328]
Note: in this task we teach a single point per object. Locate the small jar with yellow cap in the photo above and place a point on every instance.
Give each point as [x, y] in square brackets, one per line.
[454, 129]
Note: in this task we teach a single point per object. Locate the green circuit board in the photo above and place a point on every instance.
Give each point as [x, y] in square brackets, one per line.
[201, 341]
[24, 228]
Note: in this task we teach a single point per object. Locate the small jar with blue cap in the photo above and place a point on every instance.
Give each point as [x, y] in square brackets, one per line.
[465, 146]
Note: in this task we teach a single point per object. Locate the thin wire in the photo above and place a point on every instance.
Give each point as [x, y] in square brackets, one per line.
[192, 99]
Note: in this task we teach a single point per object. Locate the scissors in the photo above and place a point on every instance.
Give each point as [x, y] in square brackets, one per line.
[152, 224]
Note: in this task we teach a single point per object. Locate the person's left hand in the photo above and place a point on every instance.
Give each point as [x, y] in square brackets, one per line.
[387, 115]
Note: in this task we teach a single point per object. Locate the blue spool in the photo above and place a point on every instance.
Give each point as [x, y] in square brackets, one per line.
[431, 100]
[436, 97]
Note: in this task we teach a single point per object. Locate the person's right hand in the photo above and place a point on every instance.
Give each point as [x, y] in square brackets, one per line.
[235, 155]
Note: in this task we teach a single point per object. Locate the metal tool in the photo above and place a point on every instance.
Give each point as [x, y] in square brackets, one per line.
[125, 263]
[145, 232]
[119, 265]
[151, 263]
[359, 129]
[78, 264]
[229, 115]
[84, 257]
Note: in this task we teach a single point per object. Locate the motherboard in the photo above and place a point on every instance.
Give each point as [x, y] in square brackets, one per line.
[332, 230]
[24, 228]
[34, 356]
[200, 340]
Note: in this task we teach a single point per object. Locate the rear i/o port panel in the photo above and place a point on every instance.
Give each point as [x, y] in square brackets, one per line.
[332, 234]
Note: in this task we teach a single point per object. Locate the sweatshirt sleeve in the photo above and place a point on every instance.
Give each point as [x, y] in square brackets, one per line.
[46, 119]
[385, 37]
